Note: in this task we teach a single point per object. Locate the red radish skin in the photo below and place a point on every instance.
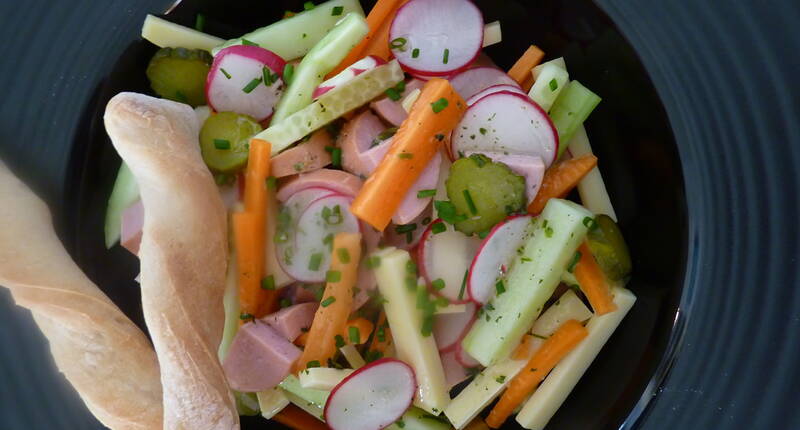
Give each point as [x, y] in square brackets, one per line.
[373, 397]
[346, 75]
[459, 251]
[494, 256]
[428, 28]
[233, 69]
[472, 81]
[495, 89]
[449, 329]
[465, 359]
[506, 122]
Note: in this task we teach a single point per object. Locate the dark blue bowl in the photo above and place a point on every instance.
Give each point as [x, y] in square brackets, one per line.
[697, 137]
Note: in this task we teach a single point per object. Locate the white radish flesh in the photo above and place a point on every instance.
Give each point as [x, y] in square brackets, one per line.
[371, 398]
[229, 87]
[449, 329]
[495, 255]
[494, 89]
[472, 81]
[506, 122]
[447, 256]
[346, 75]
[436, 37]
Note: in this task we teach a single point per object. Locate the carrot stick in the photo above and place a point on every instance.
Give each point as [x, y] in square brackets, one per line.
[293, 417]
[546, 357]
[337, 300]
[361, 326]
[382, 339]
[523, 350]
[382, 12]
[434, 115]
[251, 296]
[521, 70]
[301, 340]
[560, 179]
[593, 283]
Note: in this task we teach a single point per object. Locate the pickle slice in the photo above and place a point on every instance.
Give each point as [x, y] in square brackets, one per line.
[224, 140]
[609, 248]
[180, 74]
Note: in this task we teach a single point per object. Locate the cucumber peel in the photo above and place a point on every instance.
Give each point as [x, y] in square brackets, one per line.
[124, 194]
[570, 110]
[322, 58]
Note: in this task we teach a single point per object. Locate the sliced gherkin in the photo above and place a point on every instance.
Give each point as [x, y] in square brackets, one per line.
[224, 140]
[180, 74]
[609, 248]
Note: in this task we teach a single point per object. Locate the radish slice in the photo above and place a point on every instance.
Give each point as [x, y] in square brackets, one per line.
[494, 256]
[495, 89]
[412, 205]
[447, 256]
[465, 359]
[449, 329]
[286, 226]
[436, 37]
[454, 372]
[472, 81]
[346, 75]
[372, 397]
[233, 71]
[311, 256]
[506, 122]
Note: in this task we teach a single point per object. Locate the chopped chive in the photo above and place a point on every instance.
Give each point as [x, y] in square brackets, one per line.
[589, 223]
[415, 53]
[315, 261]
[328, 240]
[251, 85]
[553, 84]
[409, 237]
[437, 228]
[439, 105]
[336, 157]
[244, 316]
[355, 334]
[268, 283]
[200, 22]
[500, 379]
[393, 94]
[398, 43]
[337, 10]
[427, 326]
[500, 287]
[548, 231]
[249, 43]
[482, 130]
[483, 234]
[373, 262]
[470, 203]
[225, 72]
[401, 86]
[327, 302]
[267, 75]
[288, 73]
[344, 255]
[385, 134]
[333, 276]
[312, 364]
[463, 285]
[426, 220]
[438, 284]
[380, 334]
[272, 183]
[575, 259]
[222, 144]
[308, 5]
[423, 194]
[445, 56]
[339, 341]
[405, 156]
[411, 283]
[332, 216]
[405, 228]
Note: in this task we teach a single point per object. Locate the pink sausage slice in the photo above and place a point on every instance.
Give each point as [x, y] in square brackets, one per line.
[305, 157]
[132, 224]
[334, 180]
[392, 111]
[290, 322]
[356, 138]
[530, 167]
[259, 358]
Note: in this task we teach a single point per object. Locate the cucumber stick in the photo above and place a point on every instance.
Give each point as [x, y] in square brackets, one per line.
[124, 194]
[271, 402]
[570, 110]
[549, 396]
[323, 378]
[405, 320]
[165, 34]
[332, 105]
[551, 81]
[230, 302]
[533, 277]
[322, 58]
[307, 399]
[294, 37]
[417, 419]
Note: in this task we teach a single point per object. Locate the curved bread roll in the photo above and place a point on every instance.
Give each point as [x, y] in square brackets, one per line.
[100, 351]
[183, 255]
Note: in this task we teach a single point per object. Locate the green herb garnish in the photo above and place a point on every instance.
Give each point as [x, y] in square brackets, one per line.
[225, 72]
[327, 302]
[222, 144]
[344, 255]
[268, 283]
[354, 334]
[471, 204]
[251, 85]
[315, 261]
[333, 276]
[439, 105]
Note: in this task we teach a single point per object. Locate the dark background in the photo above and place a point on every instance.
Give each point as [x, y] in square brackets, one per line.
[726, 72]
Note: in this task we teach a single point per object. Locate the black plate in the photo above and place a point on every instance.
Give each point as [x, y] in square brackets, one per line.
[727, 236]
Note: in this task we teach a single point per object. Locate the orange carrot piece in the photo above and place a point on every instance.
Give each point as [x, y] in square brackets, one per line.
[593, 283]
[523, 350]
[293, 417]
[434, 115]
[337, 300]
[362, 325]
[560, 179]
[564, 340]
[378, 44]
[378, 344]
[521, 70]
[382, 12]
[301, 340]
[251, 295]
